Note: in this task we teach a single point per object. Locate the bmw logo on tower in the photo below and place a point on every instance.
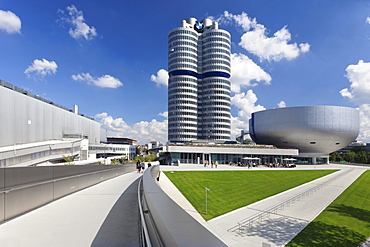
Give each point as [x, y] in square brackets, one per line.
[199, 26]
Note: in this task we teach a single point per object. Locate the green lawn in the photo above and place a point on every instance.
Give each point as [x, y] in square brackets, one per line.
[346, 222]
[230, 190]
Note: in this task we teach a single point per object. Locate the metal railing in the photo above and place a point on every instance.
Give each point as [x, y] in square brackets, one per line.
[280, 206]
[144, 234]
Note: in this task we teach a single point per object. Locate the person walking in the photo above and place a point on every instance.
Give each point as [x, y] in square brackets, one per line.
[138, 166]
[216, 164]
[143, 166]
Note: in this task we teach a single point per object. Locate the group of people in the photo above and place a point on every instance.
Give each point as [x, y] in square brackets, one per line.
[277, 164]
[248, 164]
[206, 163]
[140, 166]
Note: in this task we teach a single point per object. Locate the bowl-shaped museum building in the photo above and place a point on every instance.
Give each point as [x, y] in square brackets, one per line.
[315, 131]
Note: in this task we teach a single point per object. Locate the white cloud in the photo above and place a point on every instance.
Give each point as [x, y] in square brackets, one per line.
[281, 104]
[256, 41]
[10, 22]
[273, 48]
[164, 114]
[368, 20]
[244, 72]
[79, 27]
[364, 134]
[241, 20]
[246, 104]
[359, 93]
[359, 76]
[237, 125]
[105, 81]
[144, 132]
[41, 68]
[161, 78]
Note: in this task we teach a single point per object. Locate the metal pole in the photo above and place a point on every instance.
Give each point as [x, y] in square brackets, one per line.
[206, 202]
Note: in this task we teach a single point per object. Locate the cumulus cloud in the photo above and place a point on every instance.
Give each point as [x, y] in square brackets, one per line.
[368, 20]
[79, 27]
[256, 41]
[359, 92]
[246, 104]
[281, 104]
[105, 81]
[10, 22]
[143, 132]
[244, 72]
[359, 77]
[161, 78]
[237, 126]
[364, 134]
[41, 68]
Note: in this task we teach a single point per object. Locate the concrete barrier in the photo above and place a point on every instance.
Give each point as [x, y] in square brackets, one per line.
[168, 224]
[26, 188]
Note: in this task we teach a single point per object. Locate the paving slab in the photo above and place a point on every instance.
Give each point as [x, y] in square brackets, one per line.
[79, 219]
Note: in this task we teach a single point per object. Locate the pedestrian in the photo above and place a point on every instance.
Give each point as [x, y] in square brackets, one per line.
[216, 164]
[212, 163]
[138, 166]
[149, 164]
[143, 166]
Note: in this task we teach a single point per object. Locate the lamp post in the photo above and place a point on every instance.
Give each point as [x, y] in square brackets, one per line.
[207, 189]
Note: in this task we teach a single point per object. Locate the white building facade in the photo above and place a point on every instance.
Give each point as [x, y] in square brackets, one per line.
[198, 85]
[35, 130]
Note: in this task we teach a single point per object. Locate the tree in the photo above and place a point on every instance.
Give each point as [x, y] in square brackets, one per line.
[335, 157]
[69, 159]
[350, 156]
[362, 157]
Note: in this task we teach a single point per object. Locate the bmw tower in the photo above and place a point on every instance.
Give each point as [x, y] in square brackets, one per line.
[198, 84]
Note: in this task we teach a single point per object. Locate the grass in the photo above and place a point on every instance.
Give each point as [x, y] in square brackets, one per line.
[346, 222]
[230, 190]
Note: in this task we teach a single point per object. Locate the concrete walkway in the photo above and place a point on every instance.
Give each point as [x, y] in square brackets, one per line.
[103, 215]
[280, 227]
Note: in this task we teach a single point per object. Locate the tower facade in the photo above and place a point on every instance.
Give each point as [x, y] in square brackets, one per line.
[198, 84]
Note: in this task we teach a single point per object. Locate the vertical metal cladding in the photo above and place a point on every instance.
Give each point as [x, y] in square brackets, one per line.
[199, 85]
[25, 119]
[311, 129]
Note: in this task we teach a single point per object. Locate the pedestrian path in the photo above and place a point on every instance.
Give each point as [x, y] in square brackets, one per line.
[102, 215]
[280, 227]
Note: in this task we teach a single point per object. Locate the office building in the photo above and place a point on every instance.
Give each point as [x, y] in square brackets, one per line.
[198, 84]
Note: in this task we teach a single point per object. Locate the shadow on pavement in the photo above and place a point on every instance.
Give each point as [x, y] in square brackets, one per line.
[121, 227]
[277, 231]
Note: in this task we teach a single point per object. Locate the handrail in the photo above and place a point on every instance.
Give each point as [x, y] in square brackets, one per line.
[52, 180]
[143, 224]
[273, 209]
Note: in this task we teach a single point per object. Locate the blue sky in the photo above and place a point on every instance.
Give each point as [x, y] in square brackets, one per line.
[110, 57]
